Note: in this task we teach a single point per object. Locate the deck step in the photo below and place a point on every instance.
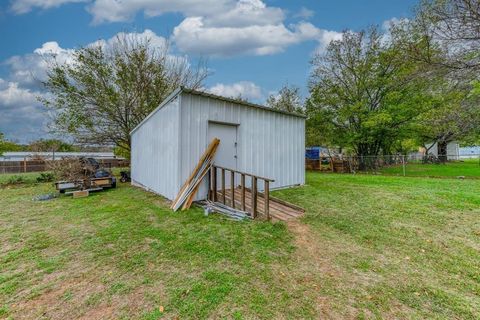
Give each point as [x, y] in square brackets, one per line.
[279, 209]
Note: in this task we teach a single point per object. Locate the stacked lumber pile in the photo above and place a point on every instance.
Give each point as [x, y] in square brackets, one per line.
[187, 193]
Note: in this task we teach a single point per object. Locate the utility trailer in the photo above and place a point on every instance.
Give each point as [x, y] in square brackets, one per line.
[94, 179]
[90, 184]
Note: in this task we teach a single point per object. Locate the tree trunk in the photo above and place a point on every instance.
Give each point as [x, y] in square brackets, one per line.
[367, 154]
[442, 151]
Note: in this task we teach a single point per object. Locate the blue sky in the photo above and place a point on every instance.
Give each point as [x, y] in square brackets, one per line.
[253, 47]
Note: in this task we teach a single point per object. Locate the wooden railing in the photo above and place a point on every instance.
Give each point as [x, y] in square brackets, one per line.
[213, 189]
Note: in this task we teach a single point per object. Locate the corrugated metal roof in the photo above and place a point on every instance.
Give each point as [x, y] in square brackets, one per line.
[244, 103]
[179, 90]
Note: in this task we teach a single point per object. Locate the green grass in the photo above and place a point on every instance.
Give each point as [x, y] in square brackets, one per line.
[469, 168]
[368, 247]
[403, 247]
[26, 178]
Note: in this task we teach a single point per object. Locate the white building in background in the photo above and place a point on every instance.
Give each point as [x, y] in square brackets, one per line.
[453, 150]
[469, 152]
[29, 155]
[167, 145]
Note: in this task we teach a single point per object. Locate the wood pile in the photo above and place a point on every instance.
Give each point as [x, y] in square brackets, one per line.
[189, 189]
[313, 164]
[340, 165]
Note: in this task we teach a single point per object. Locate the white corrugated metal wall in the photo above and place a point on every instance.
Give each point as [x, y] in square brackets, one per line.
[155, 152]
[270, 144]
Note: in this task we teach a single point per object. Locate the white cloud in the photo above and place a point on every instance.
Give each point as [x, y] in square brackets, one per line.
[193, 36]
[210, 27]
[246, 89]
[157, 42]
[11, 95]
[30, 69]
[25, 6]
[23, 116]
[325, 37]
[246, 13]
[116, 11]
[304, 13]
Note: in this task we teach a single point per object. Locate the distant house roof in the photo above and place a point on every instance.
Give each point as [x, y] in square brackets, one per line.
[30, 154]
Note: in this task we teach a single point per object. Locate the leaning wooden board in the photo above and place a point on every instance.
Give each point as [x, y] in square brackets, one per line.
[190, 187]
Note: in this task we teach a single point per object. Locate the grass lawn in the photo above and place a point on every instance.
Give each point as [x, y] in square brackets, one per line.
[9, 178]
[368, 247]
[469, 168]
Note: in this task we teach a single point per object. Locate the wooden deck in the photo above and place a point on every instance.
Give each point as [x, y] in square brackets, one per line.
[279, 210]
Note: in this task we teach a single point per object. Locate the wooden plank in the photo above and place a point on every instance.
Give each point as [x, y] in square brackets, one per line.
[80, 194]
[267, 194]
[251, 175]
[223, 185]
[283, 202]
[276, 211]
[275, 208]
[209, 153]
[214, 174]
[254, 197]
[189, 200]
[232, 189]
[243, 192]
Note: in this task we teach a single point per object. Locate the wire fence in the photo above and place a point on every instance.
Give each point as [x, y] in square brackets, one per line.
[452, 165]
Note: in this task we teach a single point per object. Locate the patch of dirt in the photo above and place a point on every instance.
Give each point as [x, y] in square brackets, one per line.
[312, 267]
[85, 296]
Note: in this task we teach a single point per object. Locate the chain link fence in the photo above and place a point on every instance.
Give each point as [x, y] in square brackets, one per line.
[401, 165]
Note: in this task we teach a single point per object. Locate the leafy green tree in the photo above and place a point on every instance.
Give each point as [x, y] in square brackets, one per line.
[444, 41]
[51, 145]
[364, 94]
[455, 117]
[2, 143]
[453, 25]
[108, 89]
[6, 145]
[288, 99]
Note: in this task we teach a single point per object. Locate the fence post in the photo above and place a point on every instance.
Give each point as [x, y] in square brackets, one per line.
[24, 164]
[254, 197]
[403, 164]
[266, 194]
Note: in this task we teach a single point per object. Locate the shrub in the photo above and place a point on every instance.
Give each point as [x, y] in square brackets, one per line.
[16, 180]
[45, 177]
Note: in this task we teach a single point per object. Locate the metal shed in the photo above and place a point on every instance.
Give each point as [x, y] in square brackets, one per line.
[255, 139]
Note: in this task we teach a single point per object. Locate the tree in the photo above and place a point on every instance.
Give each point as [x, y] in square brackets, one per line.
[288, 99]
[454, 25]
[48, 145]
[6, 145]
[108, 89]
[455, 117]
[364, 94]
[444, 41]
[2, 143]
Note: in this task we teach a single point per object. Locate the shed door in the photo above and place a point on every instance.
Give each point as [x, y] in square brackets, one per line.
[226, 155]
